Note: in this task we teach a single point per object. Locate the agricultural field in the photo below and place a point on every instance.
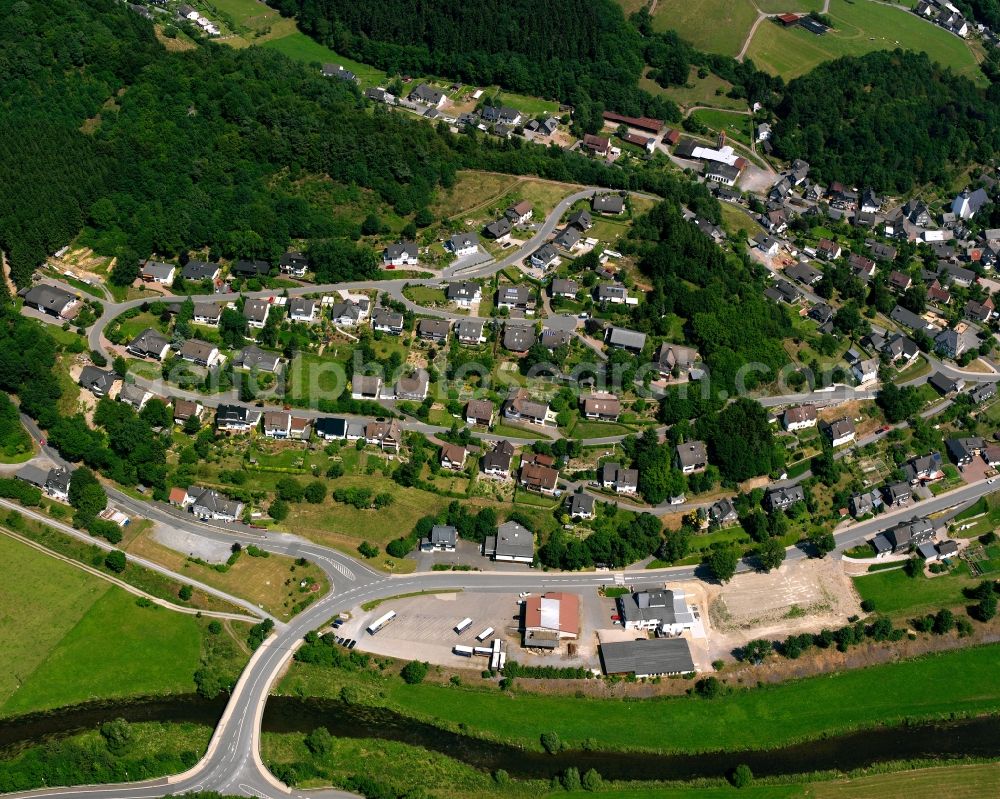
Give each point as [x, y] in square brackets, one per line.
[70, 636]
[716, 26]
[791, 711]
[859, 27]
[710, 90]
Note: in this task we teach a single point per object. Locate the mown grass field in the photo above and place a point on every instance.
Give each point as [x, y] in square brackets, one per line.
[736, 126]
[860, 27]
[716, 26]
[710, 90]
[69, 637]
[298, 46]
[765, 717]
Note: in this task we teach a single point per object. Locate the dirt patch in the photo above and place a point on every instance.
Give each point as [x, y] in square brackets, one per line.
[798, 597]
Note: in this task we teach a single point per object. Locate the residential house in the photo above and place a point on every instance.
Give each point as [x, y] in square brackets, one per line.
[427, 95]
[520, 213]
[512, 544]
[799, 417]
[412, 388]
[236, 418]
[612, 294]
[157, 272]
[502, 115]
[464, 293]
[385, 320]
[897, 495]
[52, 301]
[865, 503]
[944, 384]
[723, 513]
[883, 252]
[983, 392]
[386, 435]
[134, 396]
[442, 538]
[520, 407]
[955, 275]
[980, 312]
[470, 331]
[463, 244]
[553, 339]
[253, 357]
[149, 344]
[277, 424]
[516, 298]
[675, 359]
[598, 145]
[907, 318]
[865, 370]
[53, 482]
[250, 269]
[562, 287]
[200, 352]
[518, 336]
[402, 253]
[498, 229]
[206, 503]
[609, 203]
[909, 534]
[479, 412]
[901, 349]
[804, 273]
[900, 281]
[567, 238]
[862, 267]
[256, 312]
[938, 293]
[538, 477]
[953, 343]
[185, 409]
[337, 71]
[349, 313]
[98, 382]
[581, 220]
[623, 339]
[924, 469]
[621, 480]
[840, 431]
[496, 462]
[964, 450]
[691, 456]
[580, 506]
[544, 257]
[721, 173]
[828, 250]
[198, 271]
[663, 610]
[303, 310]
[453, 457]
[435, 330]
[783, 498]
[870, 202]
[601, 406]
[331, 428]
[206, 313]
[367, 387]
[294, 263]
[991, 454]
[783, 291]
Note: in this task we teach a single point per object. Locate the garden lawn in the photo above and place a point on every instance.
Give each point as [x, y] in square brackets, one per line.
[298, 46]
[70, 637]
[764, 717]
[859, 27]
[896, 593]
[716, 26]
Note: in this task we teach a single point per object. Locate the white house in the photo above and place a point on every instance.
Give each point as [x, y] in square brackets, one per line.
[463, 244]
[402, 253]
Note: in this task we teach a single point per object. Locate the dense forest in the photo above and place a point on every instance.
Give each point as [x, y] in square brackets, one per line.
[586, 55]
[891, 120]
[150, 151]
[720, 295]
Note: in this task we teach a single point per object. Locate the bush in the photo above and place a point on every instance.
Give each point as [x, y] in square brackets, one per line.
[315, 492]
[868, 605]
[570, 779]
[319, 742]
[368, 550]
[708, 687]
[116, 734]
[551, 742]
[215, 627]
[944, 622]
[185, 592]
[278, 510]
[115, 561]
[414, 672]
[592, 780]
[741, 776]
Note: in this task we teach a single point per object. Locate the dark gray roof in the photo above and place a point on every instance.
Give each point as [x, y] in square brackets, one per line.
[49, 298]
[647, 656]
[627, 339]
[199, 270]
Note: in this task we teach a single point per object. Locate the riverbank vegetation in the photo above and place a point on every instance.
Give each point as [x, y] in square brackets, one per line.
[116, 752]
[764, 717]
